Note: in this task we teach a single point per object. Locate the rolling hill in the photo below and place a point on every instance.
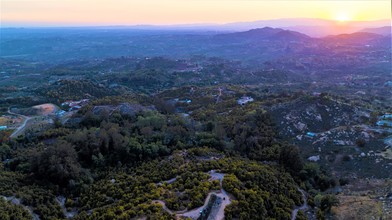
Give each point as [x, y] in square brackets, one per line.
[266, 33]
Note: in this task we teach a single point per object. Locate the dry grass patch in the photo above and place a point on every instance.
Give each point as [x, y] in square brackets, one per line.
[357, 208]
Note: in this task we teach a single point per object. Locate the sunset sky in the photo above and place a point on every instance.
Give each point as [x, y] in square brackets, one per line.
[131, 12]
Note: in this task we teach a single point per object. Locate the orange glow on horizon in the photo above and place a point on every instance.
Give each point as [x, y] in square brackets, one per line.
[131, 12]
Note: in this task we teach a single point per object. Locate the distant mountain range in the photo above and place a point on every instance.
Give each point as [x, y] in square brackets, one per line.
[251, 46]
[308, 26]
[311, 27]
[381, 30]
[357, 38]
[282, 35]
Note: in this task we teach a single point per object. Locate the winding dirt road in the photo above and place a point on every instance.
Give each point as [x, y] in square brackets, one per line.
[304, 206]
[17, 201]
[225, 197]
[68, 214]
[195, 213]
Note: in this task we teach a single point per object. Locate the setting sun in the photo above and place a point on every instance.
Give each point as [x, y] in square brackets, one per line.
[342, 17]
[131, 12]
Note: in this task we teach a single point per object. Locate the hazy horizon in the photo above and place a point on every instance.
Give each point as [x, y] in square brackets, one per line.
[72, 13]
[188, 24]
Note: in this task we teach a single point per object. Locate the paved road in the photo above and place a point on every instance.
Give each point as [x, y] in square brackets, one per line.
[20, 128]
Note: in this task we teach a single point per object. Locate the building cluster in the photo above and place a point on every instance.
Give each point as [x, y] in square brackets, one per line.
[75, 105]
[385, 120]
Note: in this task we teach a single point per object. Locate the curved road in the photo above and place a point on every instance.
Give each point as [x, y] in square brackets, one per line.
[225, 197]
[163, 204]
[195, 213]
[17, 201]
[61, 201]
[302, 207]
[20, 128]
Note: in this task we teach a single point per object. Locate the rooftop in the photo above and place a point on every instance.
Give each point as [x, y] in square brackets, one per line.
[245, 99]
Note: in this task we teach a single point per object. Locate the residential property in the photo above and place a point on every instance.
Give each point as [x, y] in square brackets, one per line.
[388, 84]
[387, 117]
[185, 101]
[314, 158]
[75, 105]
[384, 123]
[74, 108]
[311, 134]
[60, 113]
[244, 100]
[3, 128]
